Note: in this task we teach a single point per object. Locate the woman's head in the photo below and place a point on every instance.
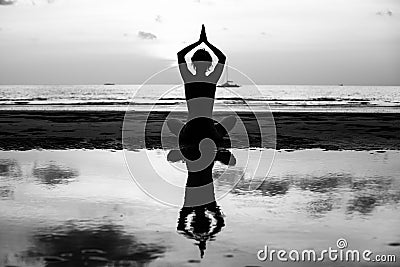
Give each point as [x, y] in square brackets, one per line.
[202, 60]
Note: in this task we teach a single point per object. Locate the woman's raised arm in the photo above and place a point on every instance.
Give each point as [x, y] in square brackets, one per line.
[221, 57]
[219, 68]
[181, 54]
[203, 38]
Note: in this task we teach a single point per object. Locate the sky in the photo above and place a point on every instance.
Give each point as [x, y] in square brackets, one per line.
[354, 42]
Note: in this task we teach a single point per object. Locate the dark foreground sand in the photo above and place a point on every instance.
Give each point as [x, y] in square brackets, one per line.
[24, 130]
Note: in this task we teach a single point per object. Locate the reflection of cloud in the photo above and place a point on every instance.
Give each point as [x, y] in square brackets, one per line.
[7, 2]
[94, 245]
[269, 187]
[274, 187]
[319, 206]
[6, 192]
[9, 171]
[362, 204]
[320, 184]
[323, 193]
[146, 35]
[53, 174]
[233, 177]
[370, 193]
[9, 168]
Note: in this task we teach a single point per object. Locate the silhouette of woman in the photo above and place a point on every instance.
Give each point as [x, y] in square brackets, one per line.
[200, 208]
[200, 93]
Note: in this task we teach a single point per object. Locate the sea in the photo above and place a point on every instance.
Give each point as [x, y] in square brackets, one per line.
[81, 207]
[287, 98]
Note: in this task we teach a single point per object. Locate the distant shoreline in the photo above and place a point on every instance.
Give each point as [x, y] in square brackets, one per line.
[180, 107]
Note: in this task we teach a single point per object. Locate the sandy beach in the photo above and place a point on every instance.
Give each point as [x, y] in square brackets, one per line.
[24, 130]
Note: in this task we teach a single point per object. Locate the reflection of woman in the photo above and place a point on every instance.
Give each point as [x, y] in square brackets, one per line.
[200, 93]
[206, 221]
[200, 217]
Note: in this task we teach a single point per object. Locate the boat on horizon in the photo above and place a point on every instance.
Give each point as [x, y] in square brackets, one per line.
[109, 84]
[228, 83]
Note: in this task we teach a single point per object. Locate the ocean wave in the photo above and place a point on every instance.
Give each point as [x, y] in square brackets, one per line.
[321, 99]
[217, 102]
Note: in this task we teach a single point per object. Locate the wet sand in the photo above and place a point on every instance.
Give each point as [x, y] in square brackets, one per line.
[24, 130]
[70, 200]
[81, 208]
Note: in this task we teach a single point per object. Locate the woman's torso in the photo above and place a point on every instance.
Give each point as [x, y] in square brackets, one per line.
[200, 99]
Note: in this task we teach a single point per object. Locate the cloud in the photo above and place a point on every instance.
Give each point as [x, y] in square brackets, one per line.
[48, 1]
[7, 2]
[384, 13]
[265, 34]
[146, 35]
